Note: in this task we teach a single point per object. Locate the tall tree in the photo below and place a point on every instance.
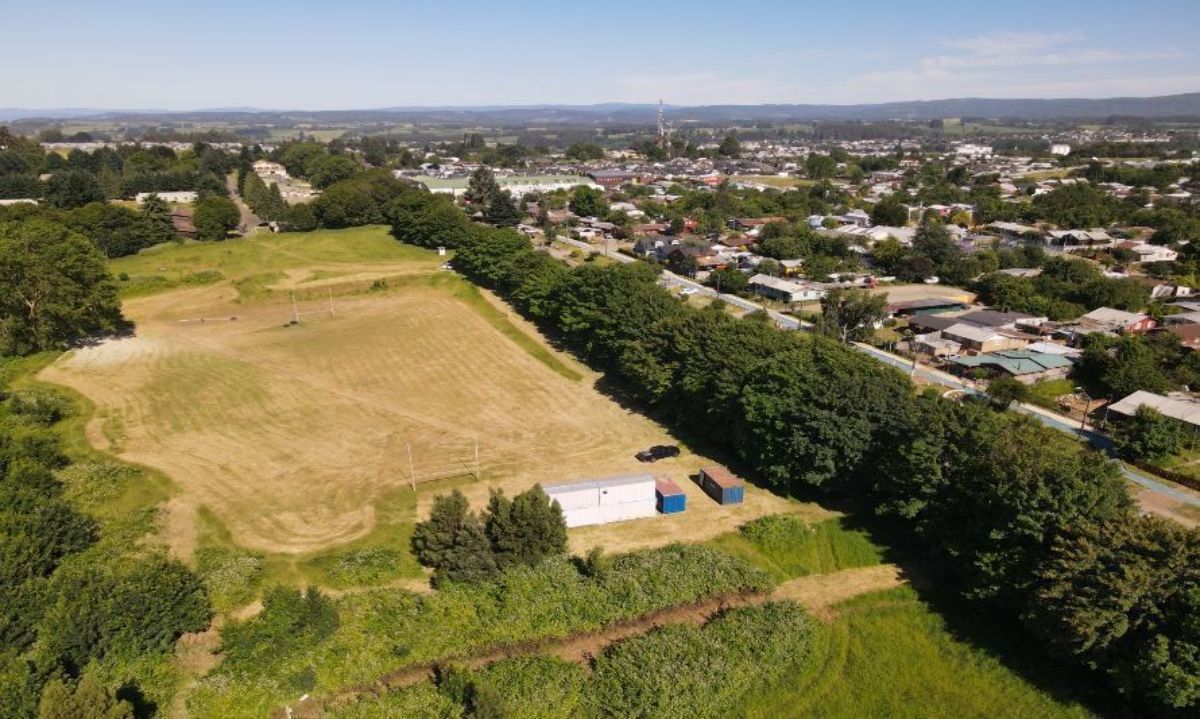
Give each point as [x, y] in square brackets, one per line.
[482, 188]
[501, 211]
[215, 218]
[54, 287]
[852, 315]
[433, 539]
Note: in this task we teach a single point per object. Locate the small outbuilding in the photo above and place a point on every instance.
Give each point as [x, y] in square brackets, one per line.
[722, 485]
[671, 499]
[600, 501]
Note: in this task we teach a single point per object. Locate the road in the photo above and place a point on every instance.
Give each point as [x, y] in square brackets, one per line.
[1050, 419]
[248, 222]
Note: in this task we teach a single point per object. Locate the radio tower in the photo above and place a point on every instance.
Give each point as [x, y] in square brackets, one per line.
[664, 130]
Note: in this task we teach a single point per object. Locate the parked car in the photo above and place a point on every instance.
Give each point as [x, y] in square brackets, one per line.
[657, 452]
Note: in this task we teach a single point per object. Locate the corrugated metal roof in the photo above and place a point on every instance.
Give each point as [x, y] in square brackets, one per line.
[666, 487]
[723, 477]
[602, 483]
[1016, 362]
[1184, 410]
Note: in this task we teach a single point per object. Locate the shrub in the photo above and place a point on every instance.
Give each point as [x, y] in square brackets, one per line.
[231, 576]
[41, 405]
[684, 671]
[373, 565]
[290, 620]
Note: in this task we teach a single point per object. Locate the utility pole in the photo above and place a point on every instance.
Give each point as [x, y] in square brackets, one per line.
[295, 310]
[412, 472]
[332, 313]
[478, 474]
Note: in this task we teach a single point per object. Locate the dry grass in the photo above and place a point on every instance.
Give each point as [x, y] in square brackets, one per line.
[290, 435]
[908, 293]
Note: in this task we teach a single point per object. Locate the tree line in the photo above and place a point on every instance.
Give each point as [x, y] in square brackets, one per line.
[1031, 525]
[106, 173]
[67, 603]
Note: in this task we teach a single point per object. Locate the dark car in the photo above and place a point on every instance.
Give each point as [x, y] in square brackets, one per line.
[657, 452]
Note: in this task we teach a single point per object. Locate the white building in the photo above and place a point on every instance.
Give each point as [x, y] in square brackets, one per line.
[1060, 148]
[600, 501]
[784, 290]
[266, 168]
[1153, 253]
[973, 151]
[181, 197]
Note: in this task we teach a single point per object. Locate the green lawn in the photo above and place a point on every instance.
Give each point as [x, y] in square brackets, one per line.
[786, 546]
[889, 655]
[171, 265]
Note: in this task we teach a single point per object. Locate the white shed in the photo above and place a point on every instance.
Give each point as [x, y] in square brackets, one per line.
[611, 499]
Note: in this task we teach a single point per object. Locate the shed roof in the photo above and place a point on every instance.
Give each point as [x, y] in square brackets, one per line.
[666, 487]
[722, 476]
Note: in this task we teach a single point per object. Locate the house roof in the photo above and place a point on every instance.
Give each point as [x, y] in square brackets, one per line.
[968, 331]
[1108, 315]
[1016, 362]
[994, 318]
[1183, 409]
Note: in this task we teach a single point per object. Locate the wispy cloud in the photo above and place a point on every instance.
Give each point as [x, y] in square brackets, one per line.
[1009, 64]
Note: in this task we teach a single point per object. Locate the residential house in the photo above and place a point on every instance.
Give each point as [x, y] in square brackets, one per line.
[1175, 405]
[1107, 319]
[785, 290]
[1024, 365]
[983, 339]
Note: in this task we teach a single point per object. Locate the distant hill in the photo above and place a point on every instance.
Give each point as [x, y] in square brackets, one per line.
[1167, 106]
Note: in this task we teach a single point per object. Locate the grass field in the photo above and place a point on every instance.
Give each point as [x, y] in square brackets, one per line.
[889, 655]
[290, 443]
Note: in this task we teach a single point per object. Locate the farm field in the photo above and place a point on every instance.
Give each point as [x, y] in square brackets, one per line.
[293, 439]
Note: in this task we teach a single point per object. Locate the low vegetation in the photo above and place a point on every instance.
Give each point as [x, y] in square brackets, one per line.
[787, 546]
[676, 671]
[379, 631]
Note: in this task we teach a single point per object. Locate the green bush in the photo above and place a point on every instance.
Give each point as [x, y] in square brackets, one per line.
[537, 687]
[92, 483]
[41, 405]
[361, 567]
[290, 620]
[685, 671]
[230, 575]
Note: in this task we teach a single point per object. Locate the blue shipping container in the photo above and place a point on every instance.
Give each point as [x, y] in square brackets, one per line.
[671, 498]
[720, 484]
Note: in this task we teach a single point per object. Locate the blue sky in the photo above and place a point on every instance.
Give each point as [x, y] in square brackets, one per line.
[374, 53]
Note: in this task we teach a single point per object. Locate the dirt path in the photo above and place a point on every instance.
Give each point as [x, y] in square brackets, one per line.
[1163, 506]
[818, 593]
